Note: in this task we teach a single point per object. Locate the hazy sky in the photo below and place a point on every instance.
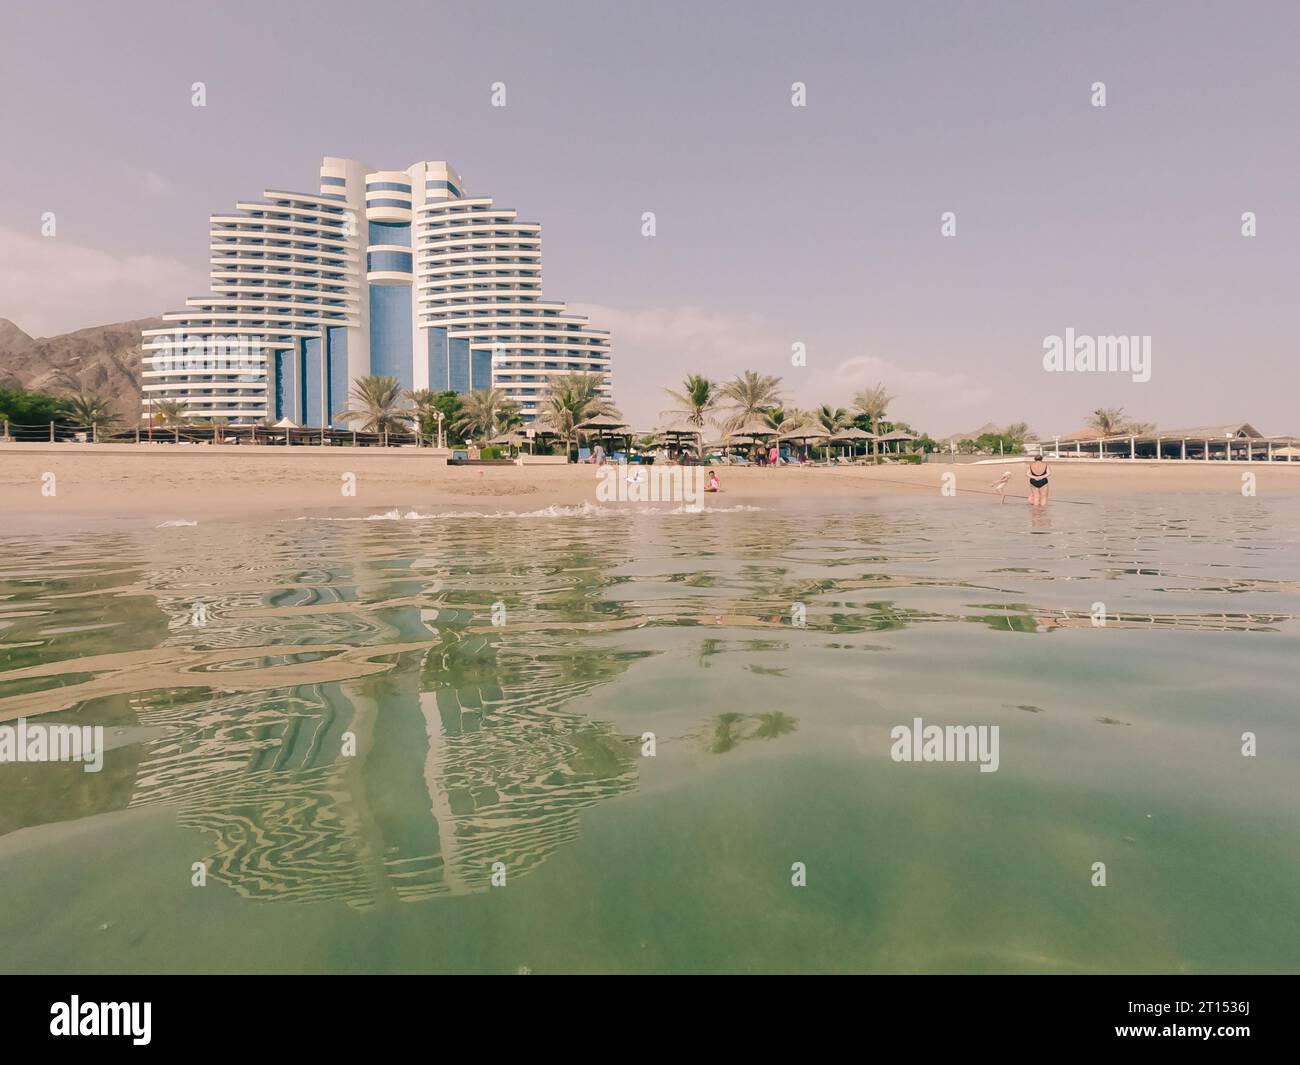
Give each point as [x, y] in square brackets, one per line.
[776, 224]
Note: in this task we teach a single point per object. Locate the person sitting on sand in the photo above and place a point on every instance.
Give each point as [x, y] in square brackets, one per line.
[1038, 472]
[713, 485]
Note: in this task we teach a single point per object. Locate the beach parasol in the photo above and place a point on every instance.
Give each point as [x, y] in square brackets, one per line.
[806, 432]
[898, 436]
[803, 434]
[674, 434]
[851, 435]
[512, 438]
[753, 426]
[603, 427]
[681, 428]
[601, 421]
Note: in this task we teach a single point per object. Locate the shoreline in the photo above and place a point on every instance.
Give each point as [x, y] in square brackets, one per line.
[96, 484]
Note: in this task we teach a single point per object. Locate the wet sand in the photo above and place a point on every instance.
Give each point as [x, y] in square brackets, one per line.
[92, 485]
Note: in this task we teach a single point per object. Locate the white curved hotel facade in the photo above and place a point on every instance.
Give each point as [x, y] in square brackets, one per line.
[392, 272]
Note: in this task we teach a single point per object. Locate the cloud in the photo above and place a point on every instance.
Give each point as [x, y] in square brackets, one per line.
[52, 285]
[656, 348]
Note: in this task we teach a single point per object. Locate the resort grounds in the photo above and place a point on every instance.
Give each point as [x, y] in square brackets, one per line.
[92, 484]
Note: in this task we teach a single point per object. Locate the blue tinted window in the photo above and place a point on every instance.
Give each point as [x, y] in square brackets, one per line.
[313, 380]
[390, 332]
[443, 185]
[438, 379]
[389, 260]
[458, 352]
[481, 367]
[284, 386]
[333, 181]
[391, 233]
[388, 203]
[386, 186]
[336, 377]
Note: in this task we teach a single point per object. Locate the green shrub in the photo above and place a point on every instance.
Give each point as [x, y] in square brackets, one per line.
[21, 407]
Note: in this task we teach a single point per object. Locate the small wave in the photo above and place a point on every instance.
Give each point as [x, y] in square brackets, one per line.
[176, 524]
[580, 510]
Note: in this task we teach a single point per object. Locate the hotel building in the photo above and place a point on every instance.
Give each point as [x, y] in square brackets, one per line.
[383, 272]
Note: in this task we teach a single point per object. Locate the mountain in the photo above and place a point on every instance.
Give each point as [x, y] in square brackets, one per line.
[988, 428]
[104, 360]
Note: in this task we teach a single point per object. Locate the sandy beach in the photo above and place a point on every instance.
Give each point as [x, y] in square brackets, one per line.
[155, 483]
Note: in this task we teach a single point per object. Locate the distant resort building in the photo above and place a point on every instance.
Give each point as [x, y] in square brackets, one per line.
[397, 273]
[1230, 442]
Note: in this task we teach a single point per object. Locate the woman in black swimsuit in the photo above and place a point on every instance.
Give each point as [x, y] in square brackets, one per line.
[1038, 481]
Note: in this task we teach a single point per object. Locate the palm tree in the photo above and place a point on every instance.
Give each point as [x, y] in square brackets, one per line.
[571, 399]
[424, 406]
[873, 402]
[832, 419]
[750, 394]
[791, 417]
[779, 418]
[482, 412]
[1017, 433]
[698, 397]
[89, 410]
[375, 404]
[509, 416]
[1107, 420]
[169, 412]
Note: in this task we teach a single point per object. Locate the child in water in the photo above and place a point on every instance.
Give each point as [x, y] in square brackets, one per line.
[713, 485]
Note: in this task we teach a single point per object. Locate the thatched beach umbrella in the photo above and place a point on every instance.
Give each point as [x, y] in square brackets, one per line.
[898, 436]
[512, 438]
[753, 428]
[603, 427]
[674, 435]
[807, 432]
[682, 428]
[601, 421]
[852, 436]
[538, 428]
[804, 434]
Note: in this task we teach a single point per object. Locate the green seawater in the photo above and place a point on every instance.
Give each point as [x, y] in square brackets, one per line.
[350, 727]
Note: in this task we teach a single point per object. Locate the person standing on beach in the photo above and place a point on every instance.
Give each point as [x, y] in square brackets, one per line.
[773, 455]
[1038, 473]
